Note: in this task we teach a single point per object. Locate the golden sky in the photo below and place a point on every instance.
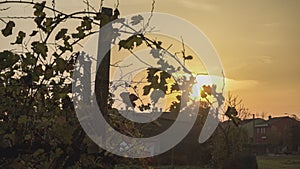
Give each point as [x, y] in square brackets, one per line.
[257, 41]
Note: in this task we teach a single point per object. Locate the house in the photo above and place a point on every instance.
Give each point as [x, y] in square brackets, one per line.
[180, 154]
[257, 130]
[275, 135]
[284, 136]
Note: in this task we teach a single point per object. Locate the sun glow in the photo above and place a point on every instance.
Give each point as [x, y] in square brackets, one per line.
[206, 80]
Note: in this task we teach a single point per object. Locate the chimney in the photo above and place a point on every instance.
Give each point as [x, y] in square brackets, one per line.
[270, 117]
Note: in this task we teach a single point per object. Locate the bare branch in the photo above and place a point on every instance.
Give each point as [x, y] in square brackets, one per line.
[117, 65]
[117, 4]
[89, 5]
[101, 4]
[151, 15]
[3, 9]
[46, 7]
[32, 3]
[53, 7]
[149, 42]
[18, 17]
[139, 58]
[3, 20]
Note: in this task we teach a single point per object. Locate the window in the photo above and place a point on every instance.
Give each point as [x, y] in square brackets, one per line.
[261, 130]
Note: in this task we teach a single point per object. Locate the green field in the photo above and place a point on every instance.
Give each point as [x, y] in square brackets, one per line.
[264, 162]
[279, 162]
[162, 167]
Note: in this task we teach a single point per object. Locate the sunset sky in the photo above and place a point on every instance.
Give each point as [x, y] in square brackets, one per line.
[257, 42]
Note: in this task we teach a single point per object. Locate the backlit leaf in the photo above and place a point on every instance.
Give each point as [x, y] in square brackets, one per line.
[207, 89]
[86, 23]
[33, 33]
[136, 20]
[20, 37]
[39, 70]
[175, 87]
[146, 90]
[48, 73]
[131, 42]
[39, 7]
[29, 59]
[60, 65]
[188, 57]
[61, 34]
[203, 94]
[40, 48]
[8, 59]
[48, 24]
[8, 29]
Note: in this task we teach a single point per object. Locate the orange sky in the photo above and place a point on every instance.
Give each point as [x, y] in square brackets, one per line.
[257, 41]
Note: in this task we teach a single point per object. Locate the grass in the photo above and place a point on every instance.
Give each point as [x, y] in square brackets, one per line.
[279, 162]
[161, 167]
[179, 167]
[264, 162]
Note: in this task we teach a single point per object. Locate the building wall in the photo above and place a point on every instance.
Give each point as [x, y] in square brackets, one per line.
[275, 135]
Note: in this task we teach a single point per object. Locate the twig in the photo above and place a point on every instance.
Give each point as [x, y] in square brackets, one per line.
[18, 17]
[117, 4]
[139, 58]
[117, 64]
[89, 6]
[46, 7]
[53, 7]
[3, 20]
[3, 9]
[65, 17]
[32, 3]
[176, 59]
[151, 15]
[101, 5]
